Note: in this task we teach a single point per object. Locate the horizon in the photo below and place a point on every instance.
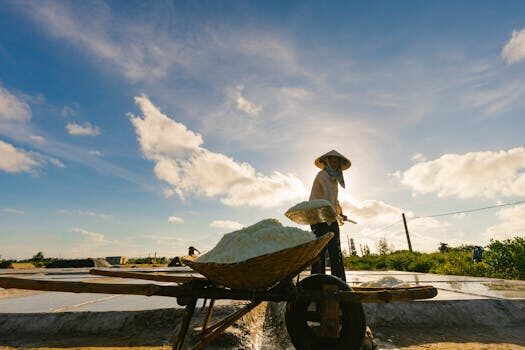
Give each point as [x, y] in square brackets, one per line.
[140, 127]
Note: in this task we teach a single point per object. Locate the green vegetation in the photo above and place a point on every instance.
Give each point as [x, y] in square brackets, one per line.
[158, 260]
[501, 259]
[39, 260]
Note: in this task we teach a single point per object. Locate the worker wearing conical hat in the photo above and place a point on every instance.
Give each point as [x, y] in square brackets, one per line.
[325, 186]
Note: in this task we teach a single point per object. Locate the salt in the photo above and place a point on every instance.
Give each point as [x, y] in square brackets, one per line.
[264, 237]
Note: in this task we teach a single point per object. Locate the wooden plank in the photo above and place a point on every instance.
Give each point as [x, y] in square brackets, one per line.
[185, 290]
[330, 314]
[387, 295]
[216, 329]
[196, 291]
[185, 325]
[89, 287]
[146, 276]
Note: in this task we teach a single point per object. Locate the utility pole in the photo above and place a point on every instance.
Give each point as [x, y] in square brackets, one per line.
[349, 250]
[406, 231]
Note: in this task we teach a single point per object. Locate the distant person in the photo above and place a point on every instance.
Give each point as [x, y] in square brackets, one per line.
[477, 254]
[191, 251]
[325, 186]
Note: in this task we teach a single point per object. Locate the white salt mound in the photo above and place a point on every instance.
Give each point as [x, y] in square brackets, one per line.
[267, 236]
[313, 204]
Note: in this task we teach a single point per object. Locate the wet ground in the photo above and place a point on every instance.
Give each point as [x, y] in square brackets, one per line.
[472, 313]
[449, 288]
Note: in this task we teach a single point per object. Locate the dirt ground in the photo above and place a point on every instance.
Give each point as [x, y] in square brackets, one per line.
[512, 338]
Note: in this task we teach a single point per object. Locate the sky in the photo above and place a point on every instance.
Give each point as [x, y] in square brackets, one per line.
[139, 128]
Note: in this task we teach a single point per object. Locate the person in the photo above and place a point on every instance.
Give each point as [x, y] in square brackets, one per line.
[477, 254]
[325, 186]
[191, 251]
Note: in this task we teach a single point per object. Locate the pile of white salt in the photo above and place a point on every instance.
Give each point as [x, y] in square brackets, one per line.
[267, 236]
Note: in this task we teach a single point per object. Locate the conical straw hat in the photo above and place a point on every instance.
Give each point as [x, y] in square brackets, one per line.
[345, 162]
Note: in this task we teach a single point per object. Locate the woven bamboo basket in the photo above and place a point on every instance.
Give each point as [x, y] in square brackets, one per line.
[310, 216]
[263, 272]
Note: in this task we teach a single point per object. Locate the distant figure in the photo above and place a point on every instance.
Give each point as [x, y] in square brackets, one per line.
[477, 254]
[443, 247]
[191, 251]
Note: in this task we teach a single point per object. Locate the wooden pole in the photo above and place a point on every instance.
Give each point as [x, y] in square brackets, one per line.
[406, 231]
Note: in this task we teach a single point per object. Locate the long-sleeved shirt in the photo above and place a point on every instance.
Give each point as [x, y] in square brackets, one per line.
[326, 188]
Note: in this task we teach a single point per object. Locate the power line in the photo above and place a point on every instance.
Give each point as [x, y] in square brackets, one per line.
[469, 210]
[384, 228]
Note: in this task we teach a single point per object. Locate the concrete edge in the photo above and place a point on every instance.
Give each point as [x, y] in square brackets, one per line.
[447, 313]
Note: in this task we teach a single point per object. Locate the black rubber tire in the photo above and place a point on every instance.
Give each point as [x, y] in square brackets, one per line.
[303, 336]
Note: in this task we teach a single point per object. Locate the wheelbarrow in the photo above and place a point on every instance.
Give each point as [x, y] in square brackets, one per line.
[322, 311]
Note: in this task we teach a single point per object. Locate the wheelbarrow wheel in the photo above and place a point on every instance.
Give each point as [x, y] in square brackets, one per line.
[303, 320]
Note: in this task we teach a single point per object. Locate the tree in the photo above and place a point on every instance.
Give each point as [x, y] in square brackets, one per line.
[382, 246]
[507, 258]
[353, 252]
[364, 250]
[38, 257]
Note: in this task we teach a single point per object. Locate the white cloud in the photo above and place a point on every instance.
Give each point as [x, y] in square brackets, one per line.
[512, 224]
[83, 213]
[418, 157]
[371, 210]
[93, 237]
[226, 224]
[476, 174]
[13, 160]
[12, 109]
[514, 49]
[191, 169]
[82, 130]
[54, 161]
[38, 138]
[13, 211]
[68, 112]
[245, 105]
[94, 152]
[175, 219]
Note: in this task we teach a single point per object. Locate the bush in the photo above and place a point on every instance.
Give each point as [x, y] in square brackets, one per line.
[504, 259]
[507, 259]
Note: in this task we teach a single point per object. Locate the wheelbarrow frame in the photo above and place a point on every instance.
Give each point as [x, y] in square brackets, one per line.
[188, 289]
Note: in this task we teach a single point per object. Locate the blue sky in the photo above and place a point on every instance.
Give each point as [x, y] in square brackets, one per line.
[140, 127]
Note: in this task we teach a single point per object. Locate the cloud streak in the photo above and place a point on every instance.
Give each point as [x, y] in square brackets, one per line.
[226, 224]
[175, 219]
[13, 109]
[93, 237]
[245, 105]
[85, 129]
